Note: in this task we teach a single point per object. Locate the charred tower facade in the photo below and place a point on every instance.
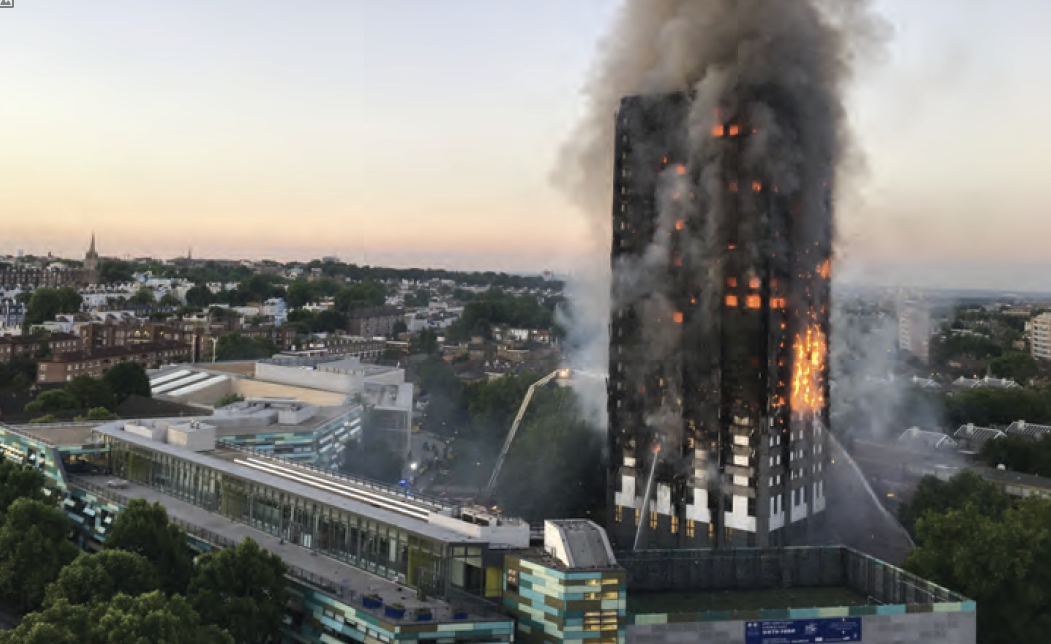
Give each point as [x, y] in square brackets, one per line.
[718, 367]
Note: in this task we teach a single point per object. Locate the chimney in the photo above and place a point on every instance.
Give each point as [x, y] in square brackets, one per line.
[1021, 424]
[970, 429]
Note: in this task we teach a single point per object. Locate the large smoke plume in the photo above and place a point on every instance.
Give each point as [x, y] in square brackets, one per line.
[782, 66]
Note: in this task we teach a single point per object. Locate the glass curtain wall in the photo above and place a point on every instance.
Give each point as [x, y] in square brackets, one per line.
[360, 541]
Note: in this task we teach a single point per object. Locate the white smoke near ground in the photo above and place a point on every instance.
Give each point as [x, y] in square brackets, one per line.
[721, 49]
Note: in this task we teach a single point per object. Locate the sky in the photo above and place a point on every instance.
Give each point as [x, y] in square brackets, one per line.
[414, 132]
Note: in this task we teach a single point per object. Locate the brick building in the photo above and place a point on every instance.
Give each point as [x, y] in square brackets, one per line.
[27, 345]
[375, 321]
[63, 367]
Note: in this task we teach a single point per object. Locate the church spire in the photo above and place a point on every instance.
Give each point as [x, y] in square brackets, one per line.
[91, 250]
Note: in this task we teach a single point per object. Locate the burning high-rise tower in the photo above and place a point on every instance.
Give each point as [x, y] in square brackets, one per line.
[718, 340]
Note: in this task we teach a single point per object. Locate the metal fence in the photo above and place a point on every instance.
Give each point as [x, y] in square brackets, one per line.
[214, 538]
[760, 569]
[33, 437]
[390, 490]
[741, 569]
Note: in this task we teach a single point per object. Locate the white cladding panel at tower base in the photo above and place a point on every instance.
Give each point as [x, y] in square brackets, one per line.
[663, 499]
[626, 496]
[698, 509]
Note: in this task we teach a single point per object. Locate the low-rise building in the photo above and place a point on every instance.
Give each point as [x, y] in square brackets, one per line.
[65, 366]
[373, 322]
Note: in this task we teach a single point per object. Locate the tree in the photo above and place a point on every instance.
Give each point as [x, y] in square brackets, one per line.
[62, 623]
[144, 529]
[18, 374]
[115, 271]
[46, 303]
[935, 496]
[127, 379]
[87, 393]
[153, 618]
[44, 420]
[19, 482]
[170, 299]
[234, 346]
[228, 399]
[142, 297]
[50, 401]
[243, 590]
[1020, 367]
[299, 294]
[200, 296]
[399, 328]
[426, 341]
[96, 414]
[34, 547]
[362, 295]
[1003, 563]
[329, 321]
[94, 579]
[1019, 454]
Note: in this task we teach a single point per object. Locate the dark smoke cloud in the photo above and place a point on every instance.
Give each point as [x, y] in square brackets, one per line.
[788, 62]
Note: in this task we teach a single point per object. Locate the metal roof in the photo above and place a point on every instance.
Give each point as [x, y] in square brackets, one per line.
[1029, 430]
[404, 521]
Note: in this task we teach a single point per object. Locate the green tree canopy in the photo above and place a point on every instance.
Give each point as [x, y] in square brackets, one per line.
[299, 294]
[144, 529]
[98, 413]
[142, 297]
[95, 579]
[34, 547]
[115, 271]
[362, 295]
[935, 496]
[1019, 454]
[46, 303]
[1003, 563]
[50, 401]
[62, 623]
[426, 341]
[152, 618]
[200, 295]
[243, 590]
[127, 379]
[18, 374]
[88, 393]
[1020, 367]
[234, 346]
[228, 399]
[20, 482]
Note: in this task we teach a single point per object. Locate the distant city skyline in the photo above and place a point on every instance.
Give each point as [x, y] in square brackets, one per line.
[406, 134]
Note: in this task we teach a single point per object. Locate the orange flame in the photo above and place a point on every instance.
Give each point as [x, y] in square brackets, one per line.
[808, 380]
[679, 225]
[735, 130]
[682, 169]
[825, 270]
[717, 131]
[731, 281]
[731, 300]
[757, 186]
[754, 301]
[754, 283]
[677, 316]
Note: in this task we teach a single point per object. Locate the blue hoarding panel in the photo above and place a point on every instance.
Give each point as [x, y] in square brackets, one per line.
[804, 631]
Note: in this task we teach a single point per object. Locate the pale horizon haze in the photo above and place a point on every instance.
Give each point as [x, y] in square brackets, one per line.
[421, 133]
